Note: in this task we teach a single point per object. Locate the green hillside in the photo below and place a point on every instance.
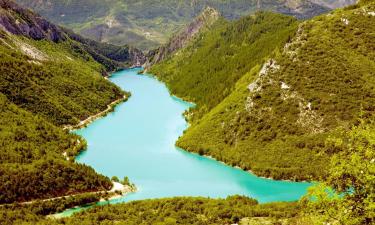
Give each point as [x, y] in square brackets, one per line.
[32, 161]
[206, 71]
[47, 81]
[276, 120]
[282, 98]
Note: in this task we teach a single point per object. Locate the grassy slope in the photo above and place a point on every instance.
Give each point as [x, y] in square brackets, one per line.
[39, 95]
[281, 131]
[206, 71]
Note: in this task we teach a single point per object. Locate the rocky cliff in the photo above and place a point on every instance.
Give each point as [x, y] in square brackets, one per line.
[181, 39]
[20, 21]
[334, 3]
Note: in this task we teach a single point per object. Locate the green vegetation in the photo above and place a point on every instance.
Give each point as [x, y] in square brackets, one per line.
[47, 178]
[207, 70]
[277, 117]
[303, 111]
[115, 179]
[229, 134]
[185, 210]
[179, 210]
[352, 172]
[48, 207]
[54, 90]
[33, 164]
[43, 86]
[126, 181]
[112, 57]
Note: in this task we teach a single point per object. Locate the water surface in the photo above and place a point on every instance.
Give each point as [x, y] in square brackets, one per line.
[138, 140]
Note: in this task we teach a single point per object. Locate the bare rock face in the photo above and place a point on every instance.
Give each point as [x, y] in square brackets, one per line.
[181, 39]
[333, 4]
[19, 21]
[137, 57]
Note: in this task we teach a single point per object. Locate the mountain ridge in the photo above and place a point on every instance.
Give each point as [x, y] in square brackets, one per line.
[33, 26]
[203, 21]
[278, 118]
[146, 24]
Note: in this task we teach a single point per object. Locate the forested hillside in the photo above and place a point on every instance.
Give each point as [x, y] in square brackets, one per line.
[148, 23]
[277, 118]
[201, 23]
[283, 98]
[206, 70]
[47, 80]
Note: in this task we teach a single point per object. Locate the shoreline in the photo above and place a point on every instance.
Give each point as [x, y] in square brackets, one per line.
[145, 73]
[249, 171]
[129, 189]
[237, 167]
[90, 119]
[193, 105]
[119, 190]
[117, 187]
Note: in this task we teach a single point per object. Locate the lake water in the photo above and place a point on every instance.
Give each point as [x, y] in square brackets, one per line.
[138, 140]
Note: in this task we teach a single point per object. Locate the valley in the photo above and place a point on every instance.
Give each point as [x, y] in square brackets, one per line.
[242, 89]
[213, 113]
[142, 133]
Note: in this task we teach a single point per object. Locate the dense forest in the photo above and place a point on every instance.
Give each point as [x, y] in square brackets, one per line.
[179, 210]
[206, 71]
[33, 105]
[272, 113]
[54, 90]
[351, 175]
[47, 81]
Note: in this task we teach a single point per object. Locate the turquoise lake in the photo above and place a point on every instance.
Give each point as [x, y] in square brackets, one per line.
[138, 140]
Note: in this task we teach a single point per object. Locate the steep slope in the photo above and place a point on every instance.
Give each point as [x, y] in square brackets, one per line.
[206, 70]
[35, 27]
[47, 80]
[113, 57]
[148, 23]
[204, 21]
[281, 117]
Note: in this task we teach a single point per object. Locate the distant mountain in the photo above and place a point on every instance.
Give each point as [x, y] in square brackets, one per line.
[148, 23]
[334, 3]
[272, 93]
[180, 40]
[36, 27]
